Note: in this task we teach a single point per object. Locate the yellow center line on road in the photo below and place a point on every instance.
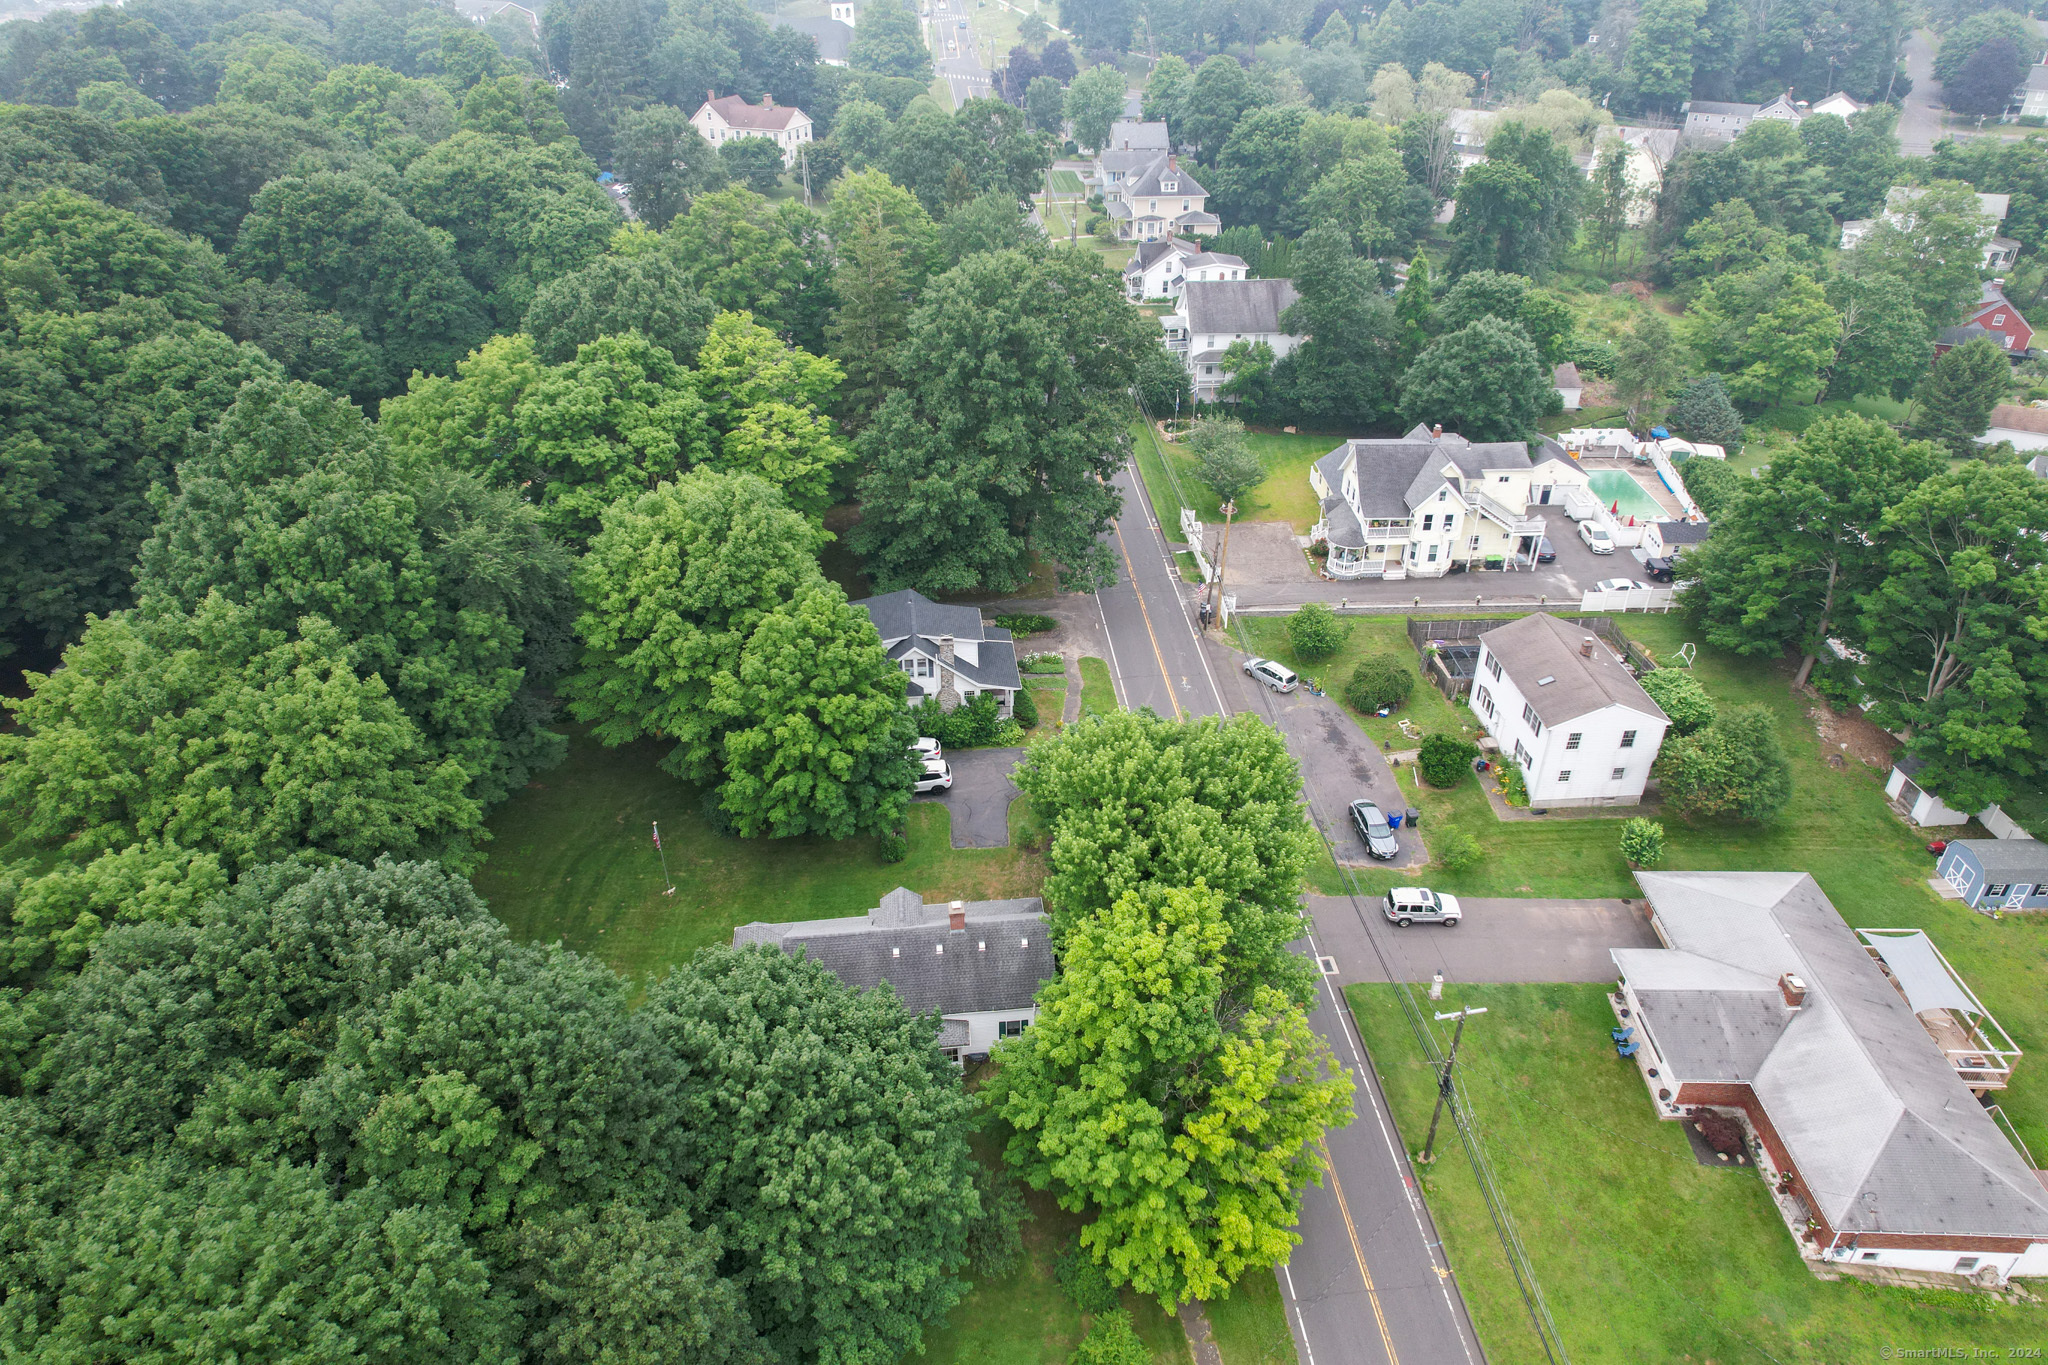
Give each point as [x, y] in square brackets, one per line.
[1131, 572]
[1372, 1294]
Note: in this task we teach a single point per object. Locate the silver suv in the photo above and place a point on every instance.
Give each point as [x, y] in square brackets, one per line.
[1406, 905]
[1277, 676]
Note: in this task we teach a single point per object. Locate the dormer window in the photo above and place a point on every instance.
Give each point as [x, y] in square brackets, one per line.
[1169, 186]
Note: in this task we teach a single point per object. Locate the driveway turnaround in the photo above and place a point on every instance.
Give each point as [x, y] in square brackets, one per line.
[1499, 940]
[980, 796]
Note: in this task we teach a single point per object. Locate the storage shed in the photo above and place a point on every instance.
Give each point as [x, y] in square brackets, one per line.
[2010, 874]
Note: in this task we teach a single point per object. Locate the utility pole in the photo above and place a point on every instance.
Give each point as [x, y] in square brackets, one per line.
[1223, 558]
[1443, 1084]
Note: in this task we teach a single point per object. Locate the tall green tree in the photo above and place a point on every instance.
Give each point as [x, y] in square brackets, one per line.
[1483, 381]
[1095, 100]
[842, 1094]
[1518, 206]
[1225, 460]
[1736, 768]
[1953, 627]
[1659, 63]
[1883, 347]
[890, 42]
[648, 292]
[1953, 403]
[739, 253]
[1004, 441]
[1769, 331]
[1783, 567]
[1937, 250]
[1344, 373]
[1189, 1127]
[1648, 365]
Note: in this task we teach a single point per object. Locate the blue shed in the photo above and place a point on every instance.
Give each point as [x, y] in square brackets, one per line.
[2011, 874]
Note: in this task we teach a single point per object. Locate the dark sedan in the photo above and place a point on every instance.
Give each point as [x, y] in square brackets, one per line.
[1373, 828]
[1546, 553]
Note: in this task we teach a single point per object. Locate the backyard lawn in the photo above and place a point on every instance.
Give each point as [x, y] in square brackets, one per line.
[1642, 1253]
[573, 858]
[1365, 636]
[1284, 496]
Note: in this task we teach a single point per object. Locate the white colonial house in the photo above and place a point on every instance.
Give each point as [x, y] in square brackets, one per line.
[1159, 200]
[1565, 709]
[2032, 95]
[945, 651]
[723, 120]
[1721, 121]
[1214, 314]
[977, 965]
[1414, 506]
[1157, 270]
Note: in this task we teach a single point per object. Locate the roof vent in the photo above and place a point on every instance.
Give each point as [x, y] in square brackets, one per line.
[956, 915]
[938, 950]
[1547, 680]
[981, 946]
[1023, 943]
[1585, 646]
[895, 952]
[1793, 989]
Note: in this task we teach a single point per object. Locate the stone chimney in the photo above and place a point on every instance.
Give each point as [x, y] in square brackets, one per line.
[1585, 647]
[956, 916]
[1793, 989]
[945, 649]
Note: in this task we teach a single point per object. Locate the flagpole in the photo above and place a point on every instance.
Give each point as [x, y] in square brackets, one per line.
[664, 859]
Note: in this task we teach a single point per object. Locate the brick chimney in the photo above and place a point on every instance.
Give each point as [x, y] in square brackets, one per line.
[1172, 162]
[1585, 647]
[767, 101]
[956, 916]
[1793, 989]
[1436, 433]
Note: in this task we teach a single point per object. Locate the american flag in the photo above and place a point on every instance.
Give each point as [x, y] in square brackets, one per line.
[657, 835]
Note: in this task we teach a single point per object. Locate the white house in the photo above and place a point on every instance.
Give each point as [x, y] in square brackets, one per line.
[1213, 314]
[945, 651]
[1157, 270]
[723, 120]
[1160, 200]
[1414, 506]
[1468, 134]
[1649, 151]
[1566, 708]
[1721, 121]
[1840, 104]
[976, 964]
[1999, 252]
[2032, 95]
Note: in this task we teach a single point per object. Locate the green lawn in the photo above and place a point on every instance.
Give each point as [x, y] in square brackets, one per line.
[1250, 1327]
[1284, 496]
[1365, 635]
[1098, 690]
[573, 858]
[1067, 182]
[1642, 1253]
[1838, 828]
[1049, 695]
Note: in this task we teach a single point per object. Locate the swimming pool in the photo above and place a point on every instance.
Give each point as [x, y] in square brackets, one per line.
[1613, 486]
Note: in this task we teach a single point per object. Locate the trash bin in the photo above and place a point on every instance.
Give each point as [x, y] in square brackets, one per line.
[1414, 817]
[1393, 819]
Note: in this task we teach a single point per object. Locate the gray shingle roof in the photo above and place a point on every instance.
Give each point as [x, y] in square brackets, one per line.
[1234, 307]
[1882, 1130]
[1151, 180]
[1963, 335]
[1540, 646]
[1136, 135]
[2037, 78]
[1148, 253]
[833, 37]
[1127, 161]
[997, 962]
[1722, 107]
[1395, 475]
[2009, 855]
[996, 668]
[1213, 258]
[908, 620]
[1684, 532]
[1565, 375]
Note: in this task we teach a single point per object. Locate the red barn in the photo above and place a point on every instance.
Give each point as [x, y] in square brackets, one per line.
[1994, 317]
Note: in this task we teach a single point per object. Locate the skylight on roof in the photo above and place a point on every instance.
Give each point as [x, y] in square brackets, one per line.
[1545, 682]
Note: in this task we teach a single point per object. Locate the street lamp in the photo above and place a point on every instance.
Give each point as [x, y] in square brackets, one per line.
[1443, 1084]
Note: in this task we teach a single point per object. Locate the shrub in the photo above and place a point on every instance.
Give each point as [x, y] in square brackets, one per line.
[1722, 1134]
[1642, 842]
[893, 848]
[1047, 662]
[1111, 1340]
[1736, 766]
[1682, 698]
[1315, 633]
[993, 1243]
[1084, 1281]
[1455, 849]
[1028, 623]
[717, 816]
[1514, 788]
[968, 726]
[1027, 710]
[1445, 759]
[1379, 680]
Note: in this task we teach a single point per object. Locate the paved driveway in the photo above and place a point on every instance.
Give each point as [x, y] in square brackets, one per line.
[980, 797]
[1499, 940]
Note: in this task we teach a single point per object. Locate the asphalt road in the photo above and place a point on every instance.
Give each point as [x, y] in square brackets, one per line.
[1498, 941]
[953, 51]
[1369, 1284]
[1920, 111]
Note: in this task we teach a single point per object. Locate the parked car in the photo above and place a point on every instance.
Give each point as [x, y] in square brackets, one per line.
[1596, 538]
[1546, 553]
[1406, 905]
[927, 748]
[1620, 585]
[1372, 827]
[936, 777]
[1279, 677]
[1662, 569]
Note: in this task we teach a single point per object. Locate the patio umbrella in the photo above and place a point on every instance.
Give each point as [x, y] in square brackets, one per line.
[1616, 509]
